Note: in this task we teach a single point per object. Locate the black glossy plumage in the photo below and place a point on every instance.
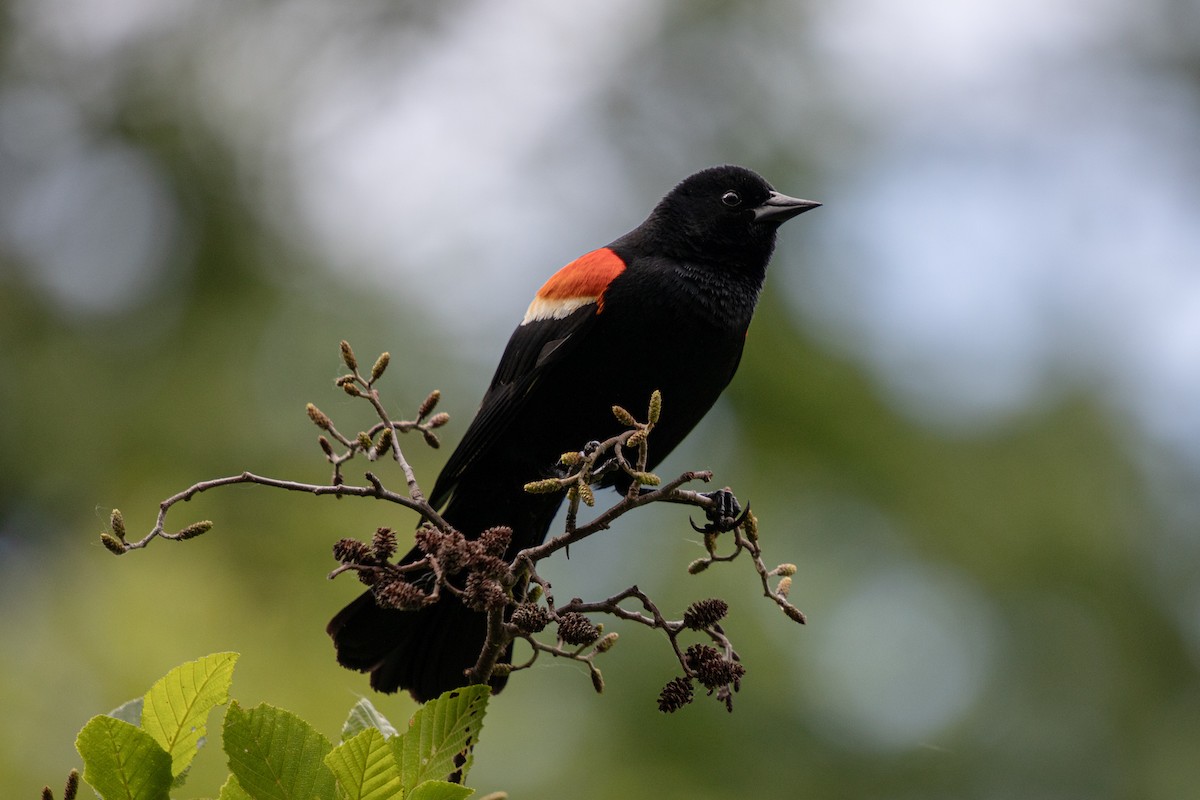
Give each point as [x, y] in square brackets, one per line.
[675, 320]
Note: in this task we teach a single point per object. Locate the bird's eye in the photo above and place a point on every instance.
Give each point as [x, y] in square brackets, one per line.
[731, 199]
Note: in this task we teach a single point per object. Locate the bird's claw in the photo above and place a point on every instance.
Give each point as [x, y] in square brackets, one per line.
[724, 515]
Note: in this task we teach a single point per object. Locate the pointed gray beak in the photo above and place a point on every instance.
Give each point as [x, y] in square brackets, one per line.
[780, 208]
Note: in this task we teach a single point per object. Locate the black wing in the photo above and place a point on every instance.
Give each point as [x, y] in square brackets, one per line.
[532, 348]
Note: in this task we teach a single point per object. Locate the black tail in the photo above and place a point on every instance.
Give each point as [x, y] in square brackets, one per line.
[427, 651]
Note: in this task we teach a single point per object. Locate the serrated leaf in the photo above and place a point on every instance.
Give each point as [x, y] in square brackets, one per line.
[364, 715]
[275, 755]
[175, 710]
[232, 790]
[123, 762]
[439, 731]
[365, 767]
[439, 790]
[130, 711]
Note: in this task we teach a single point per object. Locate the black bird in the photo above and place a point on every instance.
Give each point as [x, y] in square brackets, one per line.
[667, 307]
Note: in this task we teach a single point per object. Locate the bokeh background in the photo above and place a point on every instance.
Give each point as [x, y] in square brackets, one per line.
[969, 409]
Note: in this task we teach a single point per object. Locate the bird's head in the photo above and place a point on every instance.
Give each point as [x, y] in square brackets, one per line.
[725, 213]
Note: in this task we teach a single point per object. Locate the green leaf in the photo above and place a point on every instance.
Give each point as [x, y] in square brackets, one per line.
[364, 715]
[123, 762]
[176, 708]
[439, 790]
[130, 711]
[232, 790]
[275, 755]
[365, 768]
[439, 731]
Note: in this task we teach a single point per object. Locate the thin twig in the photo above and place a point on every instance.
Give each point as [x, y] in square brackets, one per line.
[471, 571]
[375, 491]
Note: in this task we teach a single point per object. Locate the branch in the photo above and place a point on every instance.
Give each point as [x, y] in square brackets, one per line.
[667, 493]
[376, 490]
[477, 568]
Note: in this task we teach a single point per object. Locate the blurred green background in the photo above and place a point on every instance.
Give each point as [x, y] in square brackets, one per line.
[969, 409]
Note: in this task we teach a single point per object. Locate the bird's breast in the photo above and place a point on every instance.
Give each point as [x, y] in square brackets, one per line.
[667, 295]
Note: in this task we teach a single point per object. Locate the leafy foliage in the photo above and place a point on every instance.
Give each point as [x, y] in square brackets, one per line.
[143, 748]
[275, 755]
[439, 734]
[363, 716]
[175, 709]
[365, 767]
[123, 761]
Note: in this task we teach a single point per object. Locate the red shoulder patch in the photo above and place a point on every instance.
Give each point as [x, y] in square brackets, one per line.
[586, 276]
[581, 282]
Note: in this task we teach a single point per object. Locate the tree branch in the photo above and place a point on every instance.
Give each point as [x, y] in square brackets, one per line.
[517, 601]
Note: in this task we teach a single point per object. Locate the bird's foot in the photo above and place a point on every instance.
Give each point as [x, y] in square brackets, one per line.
[723, 515]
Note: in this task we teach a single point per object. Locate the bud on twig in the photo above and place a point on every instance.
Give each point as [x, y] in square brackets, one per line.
[597, 681]
[624, 417]
[428, 404]
[698, 566]
[195, 529]
[784, 587]
[786, 570]
[318, 417]
[114, 545]
[438, 420]
[547, 486]
[348, 356]
[606, 643]
[116, 521]
[69, 791]
[751, 526]
[794, 613]
[381, 364]
[655, 407]
[647, 478]
[326, 447]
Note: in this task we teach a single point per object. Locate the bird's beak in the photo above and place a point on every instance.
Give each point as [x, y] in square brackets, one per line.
[780, 208]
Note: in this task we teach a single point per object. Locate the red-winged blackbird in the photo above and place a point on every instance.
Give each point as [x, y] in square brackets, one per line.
[666, 307]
